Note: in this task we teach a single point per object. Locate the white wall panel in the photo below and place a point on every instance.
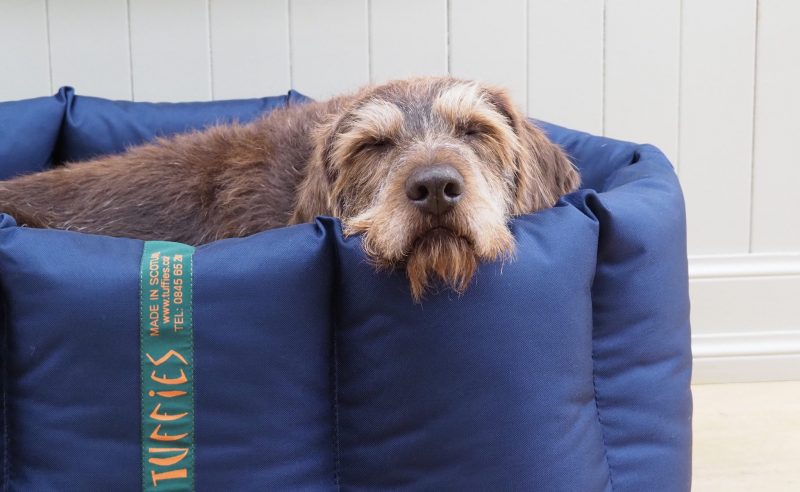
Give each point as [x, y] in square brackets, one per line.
[407, 38]
[85, 35]
[24, 51]
[565, 63]
[717, 123]
[776, 172]
[329, 46]
[249, 48]
[488, 43]
[714, 83]
[170, 50]
[641, 72]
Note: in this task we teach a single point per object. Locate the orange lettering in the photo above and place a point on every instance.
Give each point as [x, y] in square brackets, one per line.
[166, 357]
[167, 394]
[165, 416]
[167, 475]
[165, 380]
[168, 461]
[165, 437]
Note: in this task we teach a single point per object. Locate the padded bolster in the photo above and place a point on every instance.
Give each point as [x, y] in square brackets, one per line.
[568, 369]
[640, 299]
[262, 345]
[489, 391]
[29, 132]
[46, 131]
[641, 327]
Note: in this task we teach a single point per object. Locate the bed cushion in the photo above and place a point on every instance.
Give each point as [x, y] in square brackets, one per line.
[261, 350]
[47, 131]
[566, 369]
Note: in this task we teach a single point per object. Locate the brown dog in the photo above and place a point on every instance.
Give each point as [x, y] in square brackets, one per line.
[429, 170]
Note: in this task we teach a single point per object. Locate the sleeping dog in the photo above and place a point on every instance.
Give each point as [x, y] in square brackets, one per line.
[428, 170]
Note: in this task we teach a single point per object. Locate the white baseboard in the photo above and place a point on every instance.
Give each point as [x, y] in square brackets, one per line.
[746, 357]
[744, 265]
[746, 344]
[745, 317]
[751, 369]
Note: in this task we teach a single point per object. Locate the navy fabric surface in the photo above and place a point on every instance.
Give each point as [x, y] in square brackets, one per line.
[567, 369]
[640, 298]
[490, 391]
[519, 376]
[262, 376]
[46, 131]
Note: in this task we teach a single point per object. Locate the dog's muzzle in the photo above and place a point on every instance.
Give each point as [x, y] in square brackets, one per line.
[435, 189]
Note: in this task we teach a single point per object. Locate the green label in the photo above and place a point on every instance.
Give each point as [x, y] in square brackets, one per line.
[167, 361]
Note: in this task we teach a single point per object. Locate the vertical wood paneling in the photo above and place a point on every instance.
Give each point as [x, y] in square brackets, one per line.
[776, 173]
[329, 46]
[641, 71]
[717, 122]
[714, 83]
[487, 43]
[24, 65]
[565, 63]
[170, 50]
[550, 54]
[84, 35]
[407, 38]
[249, 48]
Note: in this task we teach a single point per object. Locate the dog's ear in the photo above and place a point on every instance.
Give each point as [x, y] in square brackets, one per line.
[543, 171]
[313, 197]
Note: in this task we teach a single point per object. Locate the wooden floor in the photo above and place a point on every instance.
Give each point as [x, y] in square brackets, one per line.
[747, 437]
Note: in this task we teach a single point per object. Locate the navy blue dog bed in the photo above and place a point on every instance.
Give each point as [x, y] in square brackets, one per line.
[304, 369]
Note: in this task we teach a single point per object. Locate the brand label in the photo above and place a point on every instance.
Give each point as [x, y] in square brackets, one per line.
[167, 367]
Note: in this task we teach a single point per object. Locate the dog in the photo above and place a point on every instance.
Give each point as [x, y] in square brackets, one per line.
[428, 171]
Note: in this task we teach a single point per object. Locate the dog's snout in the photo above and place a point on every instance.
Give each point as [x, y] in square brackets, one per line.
[435, 189]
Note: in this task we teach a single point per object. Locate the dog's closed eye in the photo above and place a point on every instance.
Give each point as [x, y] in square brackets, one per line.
[470, 130]
[375, 144]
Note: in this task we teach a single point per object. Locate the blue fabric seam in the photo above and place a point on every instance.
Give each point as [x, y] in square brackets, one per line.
[335, 280]
[194, 365]
[69, 101]
[4, 375]
[141, 378]
[336, 450]
[592, 201]
[600, 419]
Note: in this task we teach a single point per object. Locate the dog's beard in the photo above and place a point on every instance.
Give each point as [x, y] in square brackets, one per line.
[440, 254]
[395, 235]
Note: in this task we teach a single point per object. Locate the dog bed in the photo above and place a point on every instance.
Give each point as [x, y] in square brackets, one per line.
[301, 368]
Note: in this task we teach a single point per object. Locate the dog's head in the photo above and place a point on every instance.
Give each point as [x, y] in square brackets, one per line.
[429, 171]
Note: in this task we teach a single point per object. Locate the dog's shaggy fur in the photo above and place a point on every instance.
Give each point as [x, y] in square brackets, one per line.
[350, 157]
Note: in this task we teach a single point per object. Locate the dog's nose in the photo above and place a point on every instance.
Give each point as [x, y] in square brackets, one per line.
[435, 189]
